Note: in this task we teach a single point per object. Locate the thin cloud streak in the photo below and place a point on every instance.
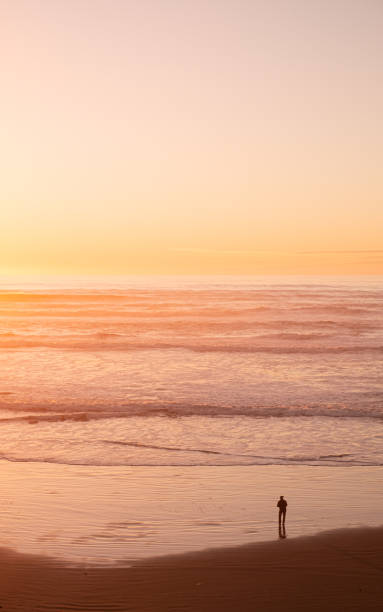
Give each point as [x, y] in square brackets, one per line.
[199, 251]
[244, 252]
[353, 252]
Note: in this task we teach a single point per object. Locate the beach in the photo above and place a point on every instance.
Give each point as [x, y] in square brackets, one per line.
[339, 570]
[197, 538]
[149, 426]
[103, 516]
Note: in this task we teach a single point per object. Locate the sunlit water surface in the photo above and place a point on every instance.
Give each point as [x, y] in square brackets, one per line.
[149, 415]
[192, 371]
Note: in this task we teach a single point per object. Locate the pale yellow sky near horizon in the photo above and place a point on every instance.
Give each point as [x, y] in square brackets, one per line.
[180, 136]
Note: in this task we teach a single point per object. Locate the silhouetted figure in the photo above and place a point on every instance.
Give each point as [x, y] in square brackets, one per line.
[282, 531]
[282, 505]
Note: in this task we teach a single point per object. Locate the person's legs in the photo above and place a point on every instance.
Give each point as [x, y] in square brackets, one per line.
[280, 516]
[283, 517]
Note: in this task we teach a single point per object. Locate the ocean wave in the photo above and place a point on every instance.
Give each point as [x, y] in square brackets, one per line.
[189, 311]
[225, 453]
[53, 413]
[115, 342]
[296, 336]
[172, 448]
[248, 460]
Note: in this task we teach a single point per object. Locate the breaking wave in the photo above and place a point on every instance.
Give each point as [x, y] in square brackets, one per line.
[115, 342]
[53, 413]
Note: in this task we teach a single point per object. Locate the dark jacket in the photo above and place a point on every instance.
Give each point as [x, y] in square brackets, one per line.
[282, 505]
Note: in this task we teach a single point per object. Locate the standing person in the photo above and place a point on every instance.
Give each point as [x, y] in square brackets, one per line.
[282, 505]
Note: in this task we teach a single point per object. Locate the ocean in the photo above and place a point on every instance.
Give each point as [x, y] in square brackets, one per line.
[192, 371]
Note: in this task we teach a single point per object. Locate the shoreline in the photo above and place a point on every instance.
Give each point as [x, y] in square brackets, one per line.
[147, 512]
[333, 570]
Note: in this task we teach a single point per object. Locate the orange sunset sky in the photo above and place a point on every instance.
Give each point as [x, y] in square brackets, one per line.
[191, 136]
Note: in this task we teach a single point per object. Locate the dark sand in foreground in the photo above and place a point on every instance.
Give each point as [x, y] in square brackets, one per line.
[334, 571]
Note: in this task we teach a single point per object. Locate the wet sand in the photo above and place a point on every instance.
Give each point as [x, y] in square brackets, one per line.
[146, 512]
[333, 571]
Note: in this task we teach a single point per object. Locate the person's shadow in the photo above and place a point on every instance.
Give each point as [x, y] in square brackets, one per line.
[282, 532]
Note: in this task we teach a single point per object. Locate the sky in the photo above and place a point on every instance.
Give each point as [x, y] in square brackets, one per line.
[191, 136]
